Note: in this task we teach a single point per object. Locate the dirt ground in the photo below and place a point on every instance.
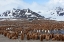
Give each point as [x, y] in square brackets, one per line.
[5, 39]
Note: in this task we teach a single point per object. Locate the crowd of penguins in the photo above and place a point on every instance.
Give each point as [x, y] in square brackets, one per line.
[31, 33]
[36, 30]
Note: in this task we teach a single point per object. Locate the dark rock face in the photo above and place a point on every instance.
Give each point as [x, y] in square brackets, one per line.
[61, 14]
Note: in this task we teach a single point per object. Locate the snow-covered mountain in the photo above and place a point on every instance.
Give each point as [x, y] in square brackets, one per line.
[18, 13]
[59, 11]
[56, 13]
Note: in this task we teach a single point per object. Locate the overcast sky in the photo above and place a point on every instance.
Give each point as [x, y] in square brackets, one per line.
[45, 6]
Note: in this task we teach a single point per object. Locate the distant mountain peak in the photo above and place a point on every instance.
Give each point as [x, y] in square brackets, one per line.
[59, 11]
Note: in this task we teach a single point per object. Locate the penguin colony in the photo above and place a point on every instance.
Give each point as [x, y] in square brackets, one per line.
[35, 30]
